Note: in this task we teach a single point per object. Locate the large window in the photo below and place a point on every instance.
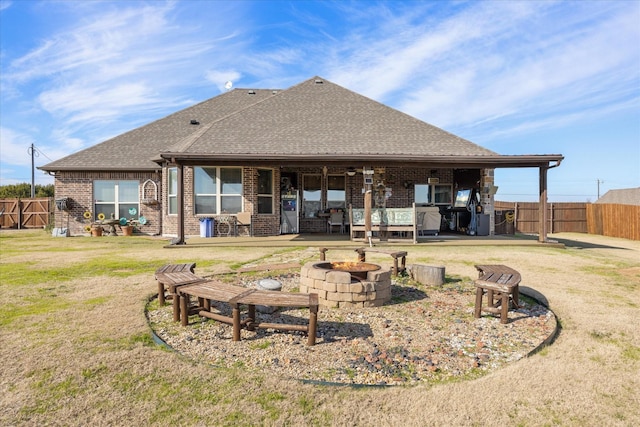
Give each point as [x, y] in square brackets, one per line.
[432, 194]
[265, 191]
[172, 194]
[116, 199]
[311, 195]
[217, 190]
[336, 192]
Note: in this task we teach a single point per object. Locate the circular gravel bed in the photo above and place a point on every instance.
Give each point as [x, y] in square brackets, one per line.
[424, 334]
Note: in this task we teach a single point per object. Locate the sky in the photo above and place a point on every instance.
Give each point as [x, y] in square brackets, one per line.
[530, 77]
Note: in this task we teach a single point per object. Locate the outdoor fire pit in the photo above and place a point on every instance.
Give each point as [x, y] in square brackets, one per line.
[356, 269]
[346, 284]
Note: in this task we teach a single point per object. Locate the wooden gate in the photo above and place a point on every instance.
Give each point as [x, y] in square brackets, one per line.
[25, 213]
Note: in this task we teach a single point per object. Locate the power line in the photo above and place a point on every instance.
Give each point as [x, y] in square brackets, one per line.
[41, 152]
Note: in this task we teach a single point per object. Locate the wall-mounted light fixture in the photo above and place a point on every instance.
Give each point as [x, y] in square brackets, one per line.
[351, 172]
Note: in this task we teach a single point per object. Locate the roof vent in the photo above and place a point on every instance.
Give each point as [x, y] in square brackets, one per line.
[252, 92]
[194, 122]
[319, 82]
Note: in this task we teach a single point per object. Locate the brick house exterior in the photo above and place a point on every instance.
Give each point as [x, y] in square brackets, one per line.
[313, 129]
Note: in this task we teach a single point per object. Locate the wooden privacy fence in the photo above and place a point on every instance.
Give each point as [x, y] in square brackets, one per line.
[604, 219]
[614, 220]
[25, 213]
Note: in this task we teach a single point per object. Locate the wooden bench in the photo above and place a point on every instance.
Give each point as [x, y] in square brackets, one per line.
[174, 281]
[236, 296]
[397, 269]
[165, 281]
[384, 221]
[497, 281]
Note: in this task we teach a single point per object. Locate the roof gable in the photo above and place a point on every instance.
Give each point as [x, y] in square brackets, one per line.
[317, 117]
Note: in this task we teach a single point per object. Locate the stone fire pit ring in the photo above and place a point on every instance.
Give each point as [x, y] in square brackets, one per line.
[346, 284]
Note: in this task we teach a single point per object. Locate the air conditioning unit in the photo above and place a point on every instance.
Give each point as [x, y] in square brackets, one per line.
[433, 181]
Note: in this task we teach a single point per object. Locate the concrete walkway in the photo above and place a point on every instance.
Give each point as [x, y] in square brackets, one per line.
[342, 240]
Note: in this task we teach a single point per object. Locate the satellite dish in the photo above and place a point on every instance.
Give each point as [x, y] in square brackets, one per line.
[228, 85]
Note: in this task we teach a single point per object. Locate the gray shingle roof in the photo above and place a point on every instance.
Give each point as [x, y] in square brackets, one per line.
[623, 196]
[317, 117]
[314, 119]
[135, 149]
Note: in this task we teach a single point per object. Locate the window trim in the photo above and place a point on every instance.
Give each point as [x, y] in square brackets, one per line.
[344, 191]
[116, 200]
[265, 195]
[302, 196]
[432, 195]
[171, 170]
[219, 195]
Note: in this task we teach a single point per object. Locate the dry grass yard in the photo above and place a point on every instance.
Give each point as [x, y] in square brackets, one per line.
[76, 348]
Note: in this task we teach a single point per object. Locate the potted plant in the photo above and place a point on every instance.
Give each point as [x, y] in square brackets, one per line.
[96, 230]
[128, 225]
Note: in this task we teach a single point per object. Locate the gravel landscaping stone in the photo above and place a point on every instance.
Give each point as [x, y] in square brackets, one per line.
[424, 334]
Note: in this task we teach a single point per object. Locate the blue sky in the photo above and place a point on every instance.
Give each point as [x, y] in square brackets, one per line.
[531, 77]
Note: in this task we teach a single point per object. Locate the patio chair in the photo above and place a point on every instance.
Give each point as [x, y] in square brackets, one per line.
[336, 219]
[244, 218]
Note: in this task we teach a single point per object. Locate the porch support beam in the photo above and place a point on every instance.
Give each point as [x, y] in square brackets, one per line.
[180, 195]
[542, 206]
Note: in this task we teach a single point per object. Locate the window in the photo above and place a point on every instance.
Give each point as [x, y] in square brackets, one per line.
[442, 194]
[421, 194]
[336, 193]
[173, 190]
[217, 190]
[116, 199]
[265, 191]
[311, 195]
[430, 194]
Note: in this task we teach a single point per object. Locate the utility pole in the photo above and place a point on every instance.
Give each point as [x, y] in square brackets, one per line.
[32, 152]
[599, 182]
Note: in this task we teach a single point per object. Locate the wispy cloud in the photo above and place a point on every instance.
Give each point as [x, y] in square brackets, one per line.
[482, 70]
[497, 61]
[120, 63]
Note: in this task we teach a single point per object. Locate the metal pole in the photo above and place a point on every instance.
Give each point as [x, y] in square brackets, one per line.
[33, 178]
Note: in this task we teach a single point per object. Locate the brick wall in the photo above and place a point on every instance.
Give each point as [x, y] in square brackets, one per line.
[78, 187]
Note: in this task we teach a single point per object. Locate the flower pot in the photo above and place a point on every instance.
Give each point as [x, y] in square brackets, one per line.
[127, 230]
[96, 231]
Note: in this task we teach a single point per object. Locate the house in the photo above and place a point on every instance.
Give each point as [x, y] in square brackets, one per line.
[267, 162]
[622, 196]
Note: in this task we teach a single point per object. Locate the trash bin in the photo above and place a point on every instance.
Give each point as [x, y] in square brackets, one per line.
[206, 227]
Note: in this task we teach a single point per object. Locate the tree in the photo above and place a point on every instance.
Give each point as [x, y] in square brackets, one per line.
[23, 191]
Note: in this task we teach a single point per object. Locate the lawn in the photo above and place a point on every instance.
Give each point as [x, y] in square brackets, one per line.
[77, 350]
